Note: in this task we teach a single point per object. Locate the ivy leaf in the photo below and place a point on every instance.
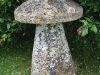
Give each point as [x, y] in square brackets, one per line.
[94, 28]
[84, 32]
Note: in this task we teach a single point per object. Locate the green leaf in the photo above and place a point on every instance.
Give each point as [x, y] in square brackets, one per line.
[95, 8]
[8, 26]
[14, 22]
[88, 19]
[84, 32]
[89, 25]
[0, 29]
[4, 37]
[94, 28]
[17, 0]
[9, 37]
[85, 22]
[97, 22]
[9, 4]
[1, 20]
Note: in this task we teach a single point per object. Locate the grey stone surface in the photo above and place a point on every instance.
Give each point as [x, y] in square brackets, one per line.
[48, 11]
[51, 54]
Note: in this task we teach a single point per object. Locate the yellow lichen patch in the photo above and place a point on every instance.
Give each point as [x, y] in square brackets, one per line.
[37, 20]
[16, 14]
[45, 70]
[45, 54]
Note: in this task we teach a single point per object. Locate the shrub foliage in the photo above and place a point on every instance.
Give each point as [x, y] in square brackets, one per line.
[11, 29]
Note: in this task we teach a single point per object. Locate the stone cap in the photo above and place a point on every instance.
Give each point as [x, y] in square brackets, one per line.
[48, 11]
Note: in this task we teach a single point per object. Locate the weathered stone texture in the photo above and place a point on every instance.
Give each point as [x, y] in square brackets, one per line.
[48, 11]
[51, 54]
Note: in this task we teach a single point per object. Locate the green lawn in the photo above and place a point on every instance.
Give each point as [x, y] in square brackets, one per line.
[16, 60]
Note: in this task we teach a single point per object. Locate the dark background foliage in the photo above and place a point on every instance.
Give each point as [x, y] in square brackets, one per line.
[11, 30]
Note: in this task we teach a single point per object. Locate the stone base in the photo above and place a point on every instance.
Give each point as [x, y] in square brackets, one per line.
[51, 54]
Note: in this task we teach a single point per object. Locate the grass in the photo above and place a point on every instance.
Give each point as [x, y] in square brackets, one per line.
[16, 59]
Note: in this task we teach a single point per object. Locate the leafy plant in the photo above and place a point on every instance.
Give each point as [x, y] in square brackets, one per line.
[90, 20]
[88, 24]
[8, 26]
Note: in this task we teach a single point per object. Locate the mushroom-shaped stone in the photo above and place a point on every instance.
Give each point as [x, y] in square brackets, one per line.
[51, 54]
[48, 11]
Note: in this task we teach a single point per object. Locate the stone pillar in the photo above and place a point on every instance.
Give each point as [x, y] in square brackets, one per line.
[51, 54]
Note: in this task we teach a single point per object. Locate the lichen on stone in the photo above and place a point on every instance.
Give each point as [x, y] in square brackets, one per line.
[51, 51]
[48, 11]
